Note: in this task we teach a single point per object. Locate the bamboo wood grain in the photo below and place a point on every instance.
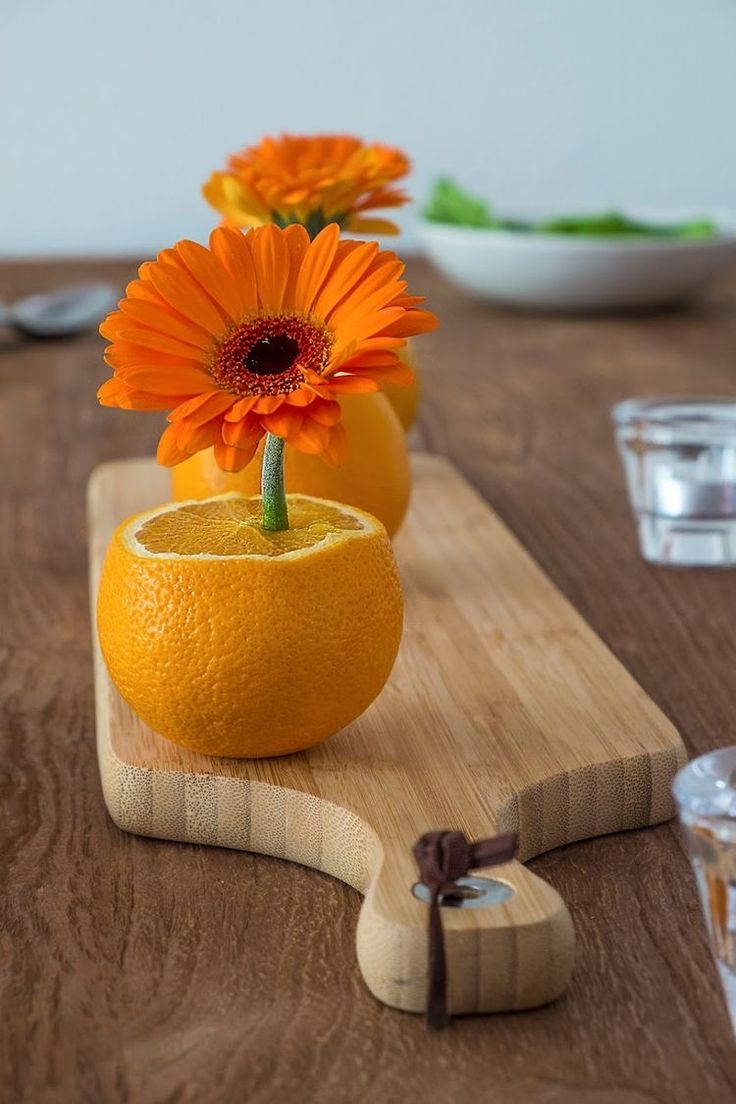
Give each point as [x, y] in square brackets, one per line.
[138, 970]
[504, 711]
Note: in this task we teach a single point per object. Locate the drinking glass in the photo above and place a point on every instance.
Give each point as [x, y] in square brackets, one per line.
[679, 458]
[705, 792]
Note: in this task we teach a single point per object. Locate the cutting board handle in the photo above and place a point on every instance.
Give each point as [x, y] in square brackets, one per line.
[513, 954]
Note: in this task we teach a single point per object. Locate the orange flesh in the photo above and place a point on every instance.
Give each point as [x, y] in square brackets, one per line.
[232, 527]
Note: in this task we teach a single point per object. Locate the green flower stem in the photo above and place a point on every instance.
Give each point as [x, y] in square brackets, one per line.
[275, 515]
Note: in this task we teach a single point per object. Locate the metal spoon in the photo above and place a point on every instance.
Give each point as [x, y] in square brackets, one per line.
[67, 310]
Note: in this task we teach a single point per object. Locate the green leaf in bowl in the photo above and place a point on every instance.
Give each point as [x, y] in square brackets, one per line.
[450, 204]
[614, 224]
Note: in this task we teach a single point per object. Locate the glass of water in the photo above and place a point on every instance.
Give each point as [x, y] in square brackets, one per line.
[705, 792]
[679, 457]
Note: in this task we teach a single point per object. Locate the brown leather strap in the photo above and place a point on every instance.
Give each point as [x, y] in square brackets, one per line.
[442, 858]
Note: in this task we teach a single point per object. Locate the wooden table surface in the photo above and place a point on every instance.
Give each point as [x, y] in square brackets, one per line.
[143, 971]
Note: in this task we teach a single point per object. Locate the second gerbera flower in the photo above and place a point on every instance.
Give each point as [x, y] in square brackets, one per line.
[312, 180]
[260, 333]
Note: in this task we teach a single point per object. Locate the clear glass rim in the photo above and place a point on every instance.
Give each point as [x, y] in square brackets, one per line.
[660, 412]
[704, 784]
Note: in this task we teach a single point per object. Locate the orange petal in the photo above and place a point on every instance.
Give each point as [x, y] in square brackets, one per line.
[357, 225]
[312, 437]
[327, 412]
[111, 324]
[303, 397]
[180, 291]
[386, 267]
[143, 289]
[243, 434]
[206, 269]
[337, 445]
[111, 391]
[241, 408]
[382, 197]
[284, 422]
[182, 381]
[356, 309]
[233, 459]
[122, 354]
[201, 408]
[374, 291]
[267, 404]
[376, 358]
[272, 261]
[232, 198]
[411, 323]
[169, 452]
[116, 393]
[344, 247]
[373, 323]
[315, 267]
[350, 385]
[382, 365]
[142, 312]
[142, 400]
[230, 248]
[408, 301]
[398, 373]
[152, 339]
[194, 438]
[371, 344]
[344, 277]
[297, 241]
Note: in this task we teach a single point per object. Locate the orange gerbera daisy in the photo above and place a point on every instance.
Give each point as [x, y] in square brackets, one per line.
[311, 180]
[260, 333]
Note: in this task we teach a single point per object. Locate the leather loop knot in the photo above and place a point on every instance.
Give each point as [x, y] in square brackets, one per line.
[444, 857]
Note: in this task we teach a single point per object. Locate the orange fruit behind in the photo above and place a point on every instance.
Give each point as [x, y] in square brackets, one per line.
[230, 640]
[376, 475]
[405, 400]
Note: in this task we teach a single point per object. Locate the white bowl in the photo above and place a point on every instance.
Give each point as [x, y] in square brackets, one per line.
[562, 272]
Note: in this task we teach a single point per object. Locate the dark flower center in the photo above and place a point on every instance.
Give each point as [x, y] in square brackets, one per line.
[272, 355]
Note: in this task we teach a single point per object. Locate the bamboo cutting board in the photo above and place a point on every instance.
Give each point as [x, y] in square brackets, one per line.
[505, 712]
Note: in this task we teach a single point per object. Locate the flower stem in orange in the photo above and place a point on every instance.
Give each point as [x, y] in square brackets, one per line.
[274, 514]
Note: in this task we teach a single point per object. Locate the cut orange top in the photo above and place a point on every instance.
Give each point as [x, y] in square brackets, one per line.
[262, 332]
[312, 180]
[230, 526]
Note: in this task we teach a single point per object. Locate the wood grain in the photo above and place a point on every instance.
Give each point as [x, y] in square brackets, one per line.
[504, 712]
[141, 971]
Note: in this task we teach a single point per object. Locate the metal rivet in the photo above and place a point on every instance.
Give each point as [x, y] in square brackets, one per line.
[478, 893]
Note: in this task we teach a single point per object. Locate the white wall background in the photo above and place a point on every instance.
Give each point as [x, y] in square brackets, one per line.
[113, 112]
